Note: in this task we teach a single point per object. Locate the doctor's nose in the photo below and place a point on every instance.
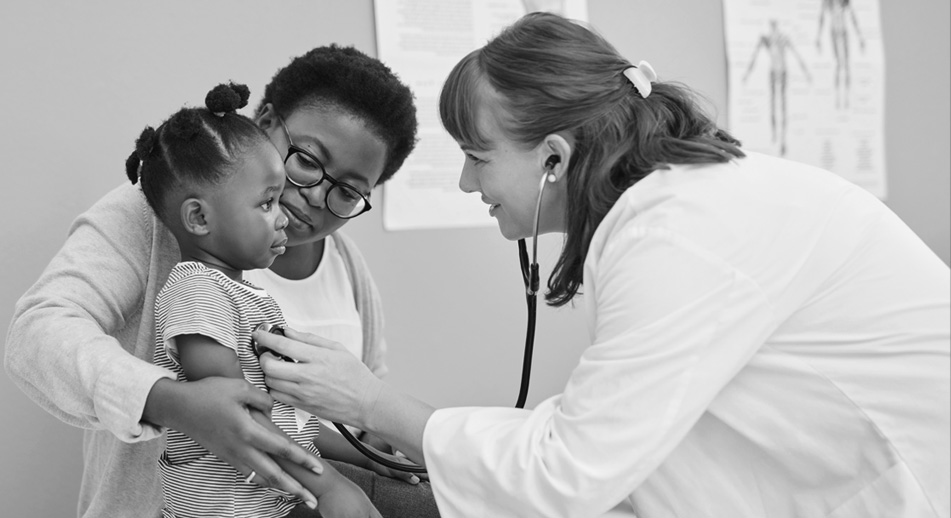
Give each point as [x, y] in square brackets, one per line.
[468, 179]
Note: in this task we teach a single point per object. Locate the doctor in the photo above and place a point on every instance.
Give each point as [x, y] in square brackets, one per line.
[766, 338]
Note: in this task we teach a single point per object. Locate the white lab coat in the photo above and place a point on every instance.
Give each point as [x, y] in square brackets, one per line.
[767, 340]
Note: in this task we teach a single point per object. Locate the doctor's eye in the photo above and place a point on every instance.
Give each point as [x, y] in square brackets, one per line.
[474, 159]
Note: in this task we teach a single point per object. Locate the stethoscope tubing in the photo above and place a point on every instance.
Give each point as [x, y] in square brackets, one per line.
[530, 278]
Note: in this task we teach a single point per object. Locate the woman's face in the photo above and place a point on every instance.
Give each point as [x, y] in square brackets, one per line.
[507, 175]
[349, 151]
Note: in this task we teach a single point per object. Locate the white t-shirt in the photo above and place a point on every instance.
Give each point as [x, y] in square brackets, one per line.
[321, 304]
[766, 340]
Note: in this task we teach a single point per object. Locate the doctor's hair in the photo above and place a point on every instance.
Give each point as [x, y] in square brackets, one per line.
[545, 74]
[194, 147]
[345, 79]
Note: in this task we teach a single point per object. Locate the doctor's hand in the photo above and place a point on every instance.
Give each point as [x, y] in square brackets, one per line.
[216, 413]
[326, 380]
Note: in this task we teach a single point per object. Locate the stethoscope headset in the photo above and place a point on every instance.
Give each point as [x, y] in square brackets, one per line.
[531, 281]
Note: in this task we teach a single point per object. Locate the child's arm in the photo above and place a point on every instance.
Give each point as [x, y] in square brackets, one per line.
[333, 446]
[201, 357]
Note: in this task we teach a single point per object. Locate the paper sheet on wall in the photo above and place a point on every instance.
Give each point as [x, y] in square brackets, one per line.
[421, 40]
[806, 81]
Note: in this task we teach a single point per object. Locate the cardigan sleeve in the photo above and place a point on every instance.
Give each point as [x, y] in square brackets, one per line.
[62, 348]
[369, 305]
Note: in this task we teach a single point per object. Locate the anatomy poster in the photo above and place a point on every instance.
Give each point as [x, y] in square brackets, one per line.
[421, 40]
[806, 82]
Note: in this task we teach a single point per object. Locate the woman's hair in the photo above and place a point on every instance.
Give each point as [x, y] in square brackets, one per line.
[544, 75]
[347, 79]
[193, 147]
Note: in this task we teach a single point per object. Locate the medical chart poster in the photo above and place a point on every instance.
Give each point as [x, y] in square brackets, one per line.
[421, 40]
[806, 82]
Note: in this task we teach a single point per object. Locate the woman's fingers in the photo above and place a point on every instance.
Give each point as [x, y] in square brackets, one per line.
[219, 414]
[263, 471]
[281, 447]
[256, 399]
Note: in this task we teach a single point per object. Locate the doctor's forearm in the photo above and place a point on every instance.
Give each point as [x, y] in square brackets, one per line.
[399, 419]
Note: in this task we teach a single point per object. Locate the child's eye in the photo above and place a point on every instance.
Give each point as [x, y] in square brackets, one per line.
[268, 205]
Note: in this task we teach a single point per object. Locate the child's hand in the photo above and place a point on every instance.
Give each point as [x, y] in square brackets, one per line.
[379, 469]
[346, 500]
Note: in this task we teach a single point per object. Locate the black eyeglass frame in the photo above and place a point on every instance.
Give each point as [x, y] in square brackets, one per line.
[293, 149]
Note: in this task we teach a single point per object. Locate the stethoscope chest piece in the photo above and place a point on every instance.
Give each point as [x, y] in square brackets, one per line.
[260, 349]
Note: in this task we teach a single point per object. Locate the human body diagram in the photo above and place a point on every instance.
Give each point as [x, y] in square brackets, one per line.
[839, 13]
[777, 45]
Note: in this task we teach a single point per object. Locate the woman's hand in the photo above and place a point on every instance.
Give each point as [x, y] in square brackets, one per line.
[216, 413]
[327, 380]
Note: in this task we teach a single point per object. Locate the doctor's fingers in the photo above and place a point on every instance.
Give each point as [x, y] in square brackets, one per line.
[312, 339]
[297, 345]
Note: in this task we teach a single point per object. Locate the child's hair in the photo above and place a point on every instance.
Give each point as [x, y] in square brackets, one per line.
[193, 147]
[347, 79]
[548, 75]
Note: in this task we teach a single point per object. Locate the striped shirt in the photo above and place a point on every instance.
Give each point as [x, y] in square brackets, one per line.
[200, 300]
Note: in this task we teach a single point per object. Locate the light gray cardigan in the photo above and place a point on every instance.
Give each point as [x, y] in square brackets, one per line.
[81, 340]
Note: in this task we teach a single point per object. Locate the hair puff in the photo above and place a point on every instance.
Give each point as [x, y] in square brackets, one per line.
[145, 142]
[226, 98]
[132, 167]
[185, 125]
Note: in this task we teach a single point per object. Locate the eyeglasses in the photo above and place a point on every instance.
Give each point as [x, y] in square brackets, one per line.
[304, 170]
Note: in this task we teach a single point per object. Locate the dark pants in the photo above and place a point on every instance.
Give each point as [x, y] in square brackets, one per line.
[393, 498]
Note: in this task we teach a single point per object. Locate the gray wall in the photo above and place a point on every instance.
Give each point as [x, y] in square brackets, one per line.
[80, 80]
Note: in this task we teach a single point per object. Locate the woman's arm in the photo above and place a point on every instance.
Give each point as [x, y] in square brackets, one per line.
[81, 341]
[76, 344]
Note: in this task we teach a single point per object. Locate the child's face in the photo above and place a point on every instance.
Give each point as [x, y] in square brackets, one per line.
[245, 221]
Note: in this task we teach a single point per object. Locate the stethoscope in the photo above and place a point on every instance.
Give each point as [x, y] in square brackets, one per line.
[529, 278]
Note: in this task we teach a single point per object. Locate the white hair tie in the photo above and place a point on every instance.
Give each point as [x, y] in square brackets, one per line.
[641, 77]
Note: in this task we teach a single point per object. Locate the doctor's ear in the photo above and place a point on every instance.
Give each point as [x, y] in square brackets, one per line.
[557, 152]
[194, 216]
